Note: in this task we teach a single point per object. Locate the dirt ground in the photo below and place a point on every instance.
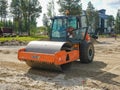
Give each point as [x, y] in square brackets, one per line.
[102, 74]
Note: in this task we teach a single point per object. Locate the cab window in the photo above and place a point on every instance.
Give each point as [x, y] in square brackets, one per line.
[72, 22]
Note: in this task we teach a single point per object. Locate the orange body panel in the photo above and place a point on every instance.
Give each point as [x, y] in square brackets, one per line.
[59, 58]
[87, 38]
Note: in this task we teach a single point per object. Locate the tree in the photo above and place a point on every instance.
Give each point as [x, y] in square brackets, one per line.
[25, 13]
[3, 9]
[1, 24]
[90, 13]
[50, 9]
[17, 15]
[117, 22]
[45, 20]
[110, 20]
[96, 18]
[71, 7]
[31, 11]
[50, 13]
[93, 17]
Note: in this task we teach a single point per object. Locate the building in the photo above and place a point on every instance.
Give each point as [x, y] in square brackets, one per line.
[103, 22]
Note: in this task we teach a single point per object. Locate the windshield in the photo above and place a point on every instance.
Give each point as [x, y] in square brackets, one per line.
[69, 28]
[72, 22]
[59, 28]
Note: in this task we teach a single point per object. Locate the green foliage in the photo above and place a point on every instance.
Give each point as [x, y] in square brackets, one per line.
[3, 8]
[33, 30]
[45, 20]
[96, 18]
[110, 20]
[50, 9]
[50, 14]
[39, 31]
[1, 24]
[3, 11]
[90, 13]
[42, 30]
[29, 38]
[73, 6]
[8, 24]
[25, 13]
[117, 22]
[93, 17]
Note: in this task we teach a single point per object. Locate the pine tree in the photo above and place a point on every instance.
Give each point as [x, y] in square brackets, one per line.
[51, 9]
[25, 13]
[93, 17]
[90, 13]
[70, 7]
[110, 20]
[3, 10]
[117, 22]
[96, 22]
[17, 15]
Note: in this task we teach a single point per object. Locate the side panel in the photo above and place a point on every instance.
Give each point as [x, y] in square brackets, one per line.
[38, 57]
[59, 58]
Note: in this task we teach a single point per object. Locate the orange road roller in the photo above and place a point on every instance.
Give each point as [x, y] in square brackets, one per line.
[69, 41]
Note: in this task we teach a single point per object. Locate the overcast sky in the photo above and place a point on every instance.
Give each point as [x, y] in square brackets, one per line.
[111, 6]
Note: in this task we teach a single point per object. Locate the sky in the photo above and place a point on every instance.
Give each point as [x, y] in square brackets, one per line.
[111, 7]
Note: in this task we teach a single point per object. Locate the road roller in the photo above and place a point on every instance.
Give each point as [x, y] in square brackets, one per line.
[69, 41]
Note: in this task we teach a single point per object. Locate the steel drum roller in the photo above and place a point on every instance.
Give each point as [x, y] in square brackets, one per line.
[47, 47]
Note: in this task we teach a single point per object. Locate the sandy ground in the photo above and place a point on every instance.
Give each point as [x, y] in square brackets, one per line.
[102, 74]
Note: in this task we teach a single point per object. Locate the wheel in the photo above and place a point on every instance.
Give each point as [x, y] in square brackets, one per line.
[86, 52]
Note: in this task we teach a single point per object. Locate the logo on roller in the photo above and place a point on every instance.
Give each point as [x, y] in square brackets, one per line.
[35, 57]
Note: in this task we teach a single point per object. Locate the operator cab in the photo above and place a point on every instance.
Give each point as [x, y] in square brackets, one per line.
[69, 28]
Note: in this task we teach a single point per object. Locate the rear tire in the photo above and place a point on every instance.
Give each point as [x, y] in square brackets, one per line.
[86, 52]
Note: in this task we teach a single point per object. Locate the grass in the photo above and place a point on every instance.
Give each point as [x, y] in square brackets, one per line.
[25, 38]
[118, 35]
